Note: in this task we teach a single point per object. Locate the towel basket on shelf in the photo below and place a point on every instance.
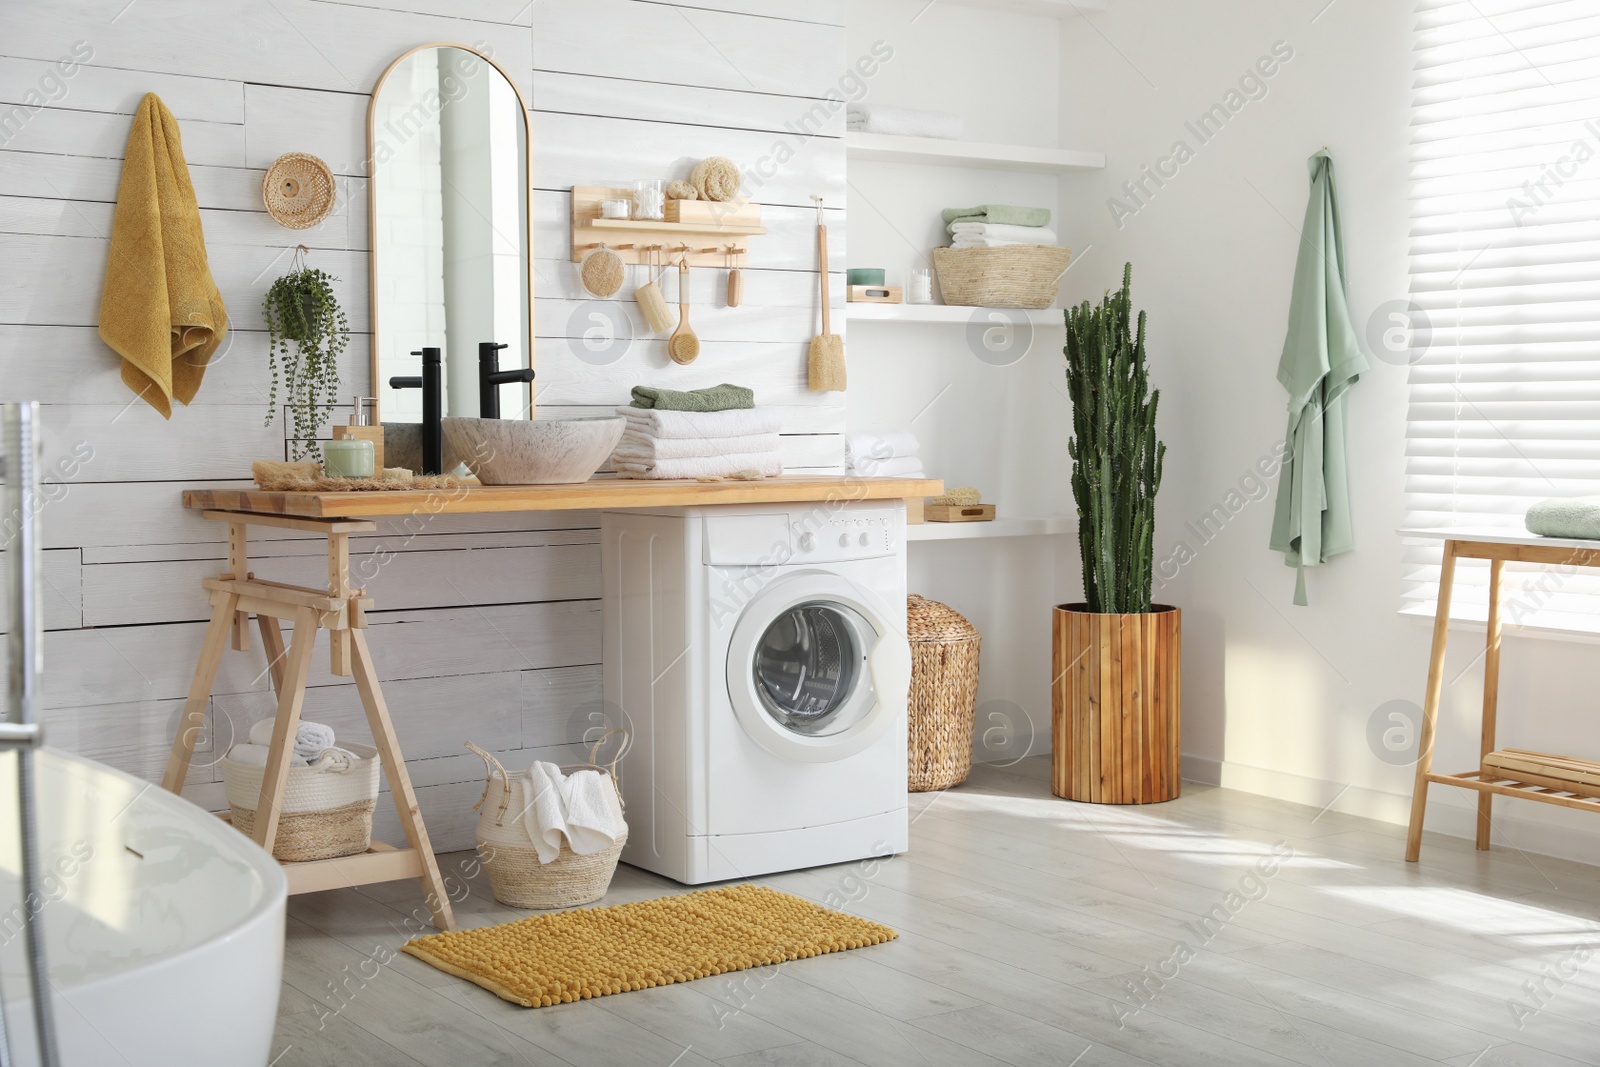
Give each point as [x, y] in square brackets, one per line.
[516, 876]
[326, 814]
[1013, 276]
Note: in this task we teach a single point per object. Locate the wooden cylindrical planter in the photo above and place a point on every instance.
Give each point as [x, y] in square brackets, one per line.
[1115, 705]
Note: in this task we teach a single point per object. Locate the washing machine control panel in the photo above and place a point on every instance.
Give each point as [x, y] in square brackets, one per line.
[820, 534]
[846, 536]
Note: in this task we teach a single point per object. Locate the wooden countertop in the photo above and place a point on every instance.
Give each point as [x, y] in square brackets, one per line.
[596, 493]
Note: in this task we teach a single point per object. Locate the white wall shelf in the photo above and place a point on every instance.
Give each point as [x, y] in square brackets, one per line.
[1055, 8]
[1040, 526]
[862, 312]
[886, 149]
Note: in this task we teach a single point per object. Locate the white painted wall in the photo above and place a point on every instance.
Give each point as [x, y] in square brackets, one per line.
[1002, 428]
[1277, 699]
[488, 626]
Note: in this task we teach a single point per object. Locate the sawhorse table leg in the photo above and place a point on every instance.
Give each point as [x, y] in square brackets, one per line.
[341, 611]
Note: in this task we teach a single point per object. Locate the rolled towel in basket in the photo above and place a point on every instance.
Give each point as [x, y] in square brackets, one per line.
[309, 740]
[593, 821]
[256, 755]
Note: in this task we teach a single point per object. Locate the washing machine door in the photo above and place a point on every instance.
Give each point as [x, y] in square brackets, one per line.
[817, 671]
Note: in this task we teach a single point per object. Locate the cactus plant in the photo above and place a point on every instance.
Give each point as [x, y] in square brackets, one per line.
[1116, 458]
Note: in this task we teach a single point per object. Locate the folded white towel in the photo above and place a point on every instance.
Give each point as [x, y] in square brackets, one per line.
[739, 422]
[987, 242]
[904, 121]
[886, 444]
[309, 740]
[335, 761]
[769, 464]
[594, 819]
[899, 467]
[641, 446]
[543, 810]
[256, 755]
[1022, 235]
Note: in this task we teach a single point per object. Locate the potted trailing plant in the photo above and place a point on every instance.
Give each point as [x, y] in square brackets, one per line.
[302, 311]
[1115, 699]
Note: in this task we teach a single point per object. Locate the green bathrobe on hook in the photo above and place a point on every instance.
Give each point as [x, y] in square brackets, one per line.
[1321, 360]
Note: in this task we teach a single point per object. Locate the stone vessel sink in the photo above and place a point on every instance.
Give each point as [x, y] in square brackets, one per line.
[533, 452]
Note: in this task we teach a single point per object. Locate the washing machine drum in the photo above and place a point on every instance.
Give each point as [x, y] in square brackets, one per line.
[810, 668]
[817, 670]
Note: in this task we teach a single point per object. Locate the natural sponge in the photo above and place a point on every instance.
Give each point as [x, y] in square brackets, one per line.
[716, 178]
[682, 191]
[962, 496]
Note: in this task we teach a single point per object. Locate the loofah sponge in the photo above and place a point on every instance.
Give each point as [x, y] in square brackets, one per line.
[592, 952]
[716, 178]
[682, 191]
[962, 496]
[603, 272]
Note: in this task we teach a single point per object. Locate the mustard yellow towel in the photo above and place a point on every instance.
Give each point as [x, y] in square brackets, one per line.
[159, 310]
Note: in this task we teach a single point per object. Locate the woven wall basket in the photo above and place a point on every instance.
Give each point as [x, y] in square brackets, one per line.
[944, 688]
[325, 813]
[1016, 276]
[298, 190]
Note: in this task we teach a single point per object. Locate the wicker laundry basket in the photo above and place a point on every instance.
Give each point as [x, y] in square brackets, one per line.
[944, 688]
[325, 813]
[517, 877]
[1013, 276]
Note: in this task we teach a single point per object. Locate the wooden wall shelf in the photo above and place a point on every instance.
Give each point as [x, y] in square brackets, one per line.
[706, 244]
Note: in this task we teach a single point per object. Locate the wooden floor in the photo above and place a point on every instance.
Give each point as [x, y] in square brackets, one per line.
[1025, 923]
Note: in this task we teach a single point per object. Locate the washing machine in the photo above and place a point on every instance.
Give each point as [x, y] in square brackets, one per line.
[758, 656]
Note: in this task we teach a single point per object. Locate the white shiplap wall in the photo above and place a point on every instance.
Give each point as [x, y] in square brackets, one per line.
[489, 627]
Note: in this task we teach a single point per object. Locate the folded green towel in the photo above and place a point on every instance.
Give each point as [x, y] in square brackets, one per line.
[722, 397]
[1577, 516]
[1003, 213]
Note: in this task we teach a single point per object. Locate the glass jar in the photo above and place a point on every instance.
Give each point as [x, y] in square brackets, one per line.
[919, 286]
[649, 198]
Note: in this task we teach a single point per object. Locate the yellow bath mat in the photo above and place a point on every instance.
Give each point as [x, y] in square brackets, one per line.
[592, 952]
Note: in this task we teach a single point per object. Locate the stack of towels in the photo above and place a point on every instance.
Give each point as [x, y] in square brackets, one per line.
[702, 433]
[579, 809]
[998, 225]
[886, 454]
[904, 122]
[313, 747]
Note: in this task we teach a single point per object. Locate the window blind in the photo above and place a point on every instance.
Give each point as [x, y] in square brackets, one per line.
[1504, 405]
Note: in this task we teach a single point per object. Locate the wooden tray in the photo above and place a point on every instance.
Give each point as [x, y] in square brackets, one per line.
[957, 513]
[873, 294]
[1563, 773]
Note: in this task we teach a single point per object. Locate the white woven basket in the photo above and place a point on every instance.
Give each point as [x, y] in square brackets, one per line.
[517, 877]
[324, 814]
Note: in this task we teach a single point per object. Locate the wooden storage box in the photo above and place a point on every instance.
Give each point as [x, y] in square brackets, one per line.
[958, 513]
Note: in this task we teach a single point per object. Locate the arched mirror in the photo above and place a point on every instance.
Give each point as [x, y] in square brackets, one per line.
[451, 238]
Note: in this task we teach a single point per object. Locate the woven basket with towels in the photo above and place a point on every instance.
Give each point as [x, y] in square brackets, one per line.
[327, 812]
[509, 853]
[1015, 276]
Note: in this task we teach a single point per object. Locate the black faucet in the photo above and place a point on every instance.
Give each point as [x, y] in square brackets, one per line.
[491, 378]
[432, 385]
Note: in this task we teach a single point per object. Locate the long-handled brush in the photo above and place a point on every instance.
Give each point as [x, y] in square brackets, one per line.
[825, 367]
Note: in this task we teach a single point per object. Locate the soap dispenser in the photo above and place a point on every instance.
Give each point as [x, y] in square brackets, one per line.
[362, 429]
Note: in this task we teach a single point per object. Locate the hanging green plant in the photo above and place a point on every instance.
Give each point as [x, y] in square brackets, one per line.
[302, 311]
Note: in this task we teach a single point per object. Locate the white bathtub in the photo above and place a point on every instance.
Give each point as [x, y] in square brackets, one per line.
[164, 925]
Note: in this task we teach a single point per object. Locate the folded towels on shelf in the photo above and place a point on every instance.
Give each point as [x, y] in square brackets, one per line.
[309, 740]
[904, 121]
[998, 235]
[895, 467]
[253, 755]
[579, 809]
[722, 397]
[766, 464]
[1006, 214]
[1577, 516]
[736, 422]
[885, 444]
[636, 446]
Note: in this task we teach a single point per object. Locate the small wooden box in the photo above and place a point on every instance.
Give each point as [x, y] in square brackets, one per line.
[914, 506]
[873, 294]
[957, 513]
[713, 213]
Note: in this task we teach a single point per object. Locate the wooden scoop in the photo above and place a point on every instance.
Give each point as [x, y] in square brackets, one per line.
[683, 346]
